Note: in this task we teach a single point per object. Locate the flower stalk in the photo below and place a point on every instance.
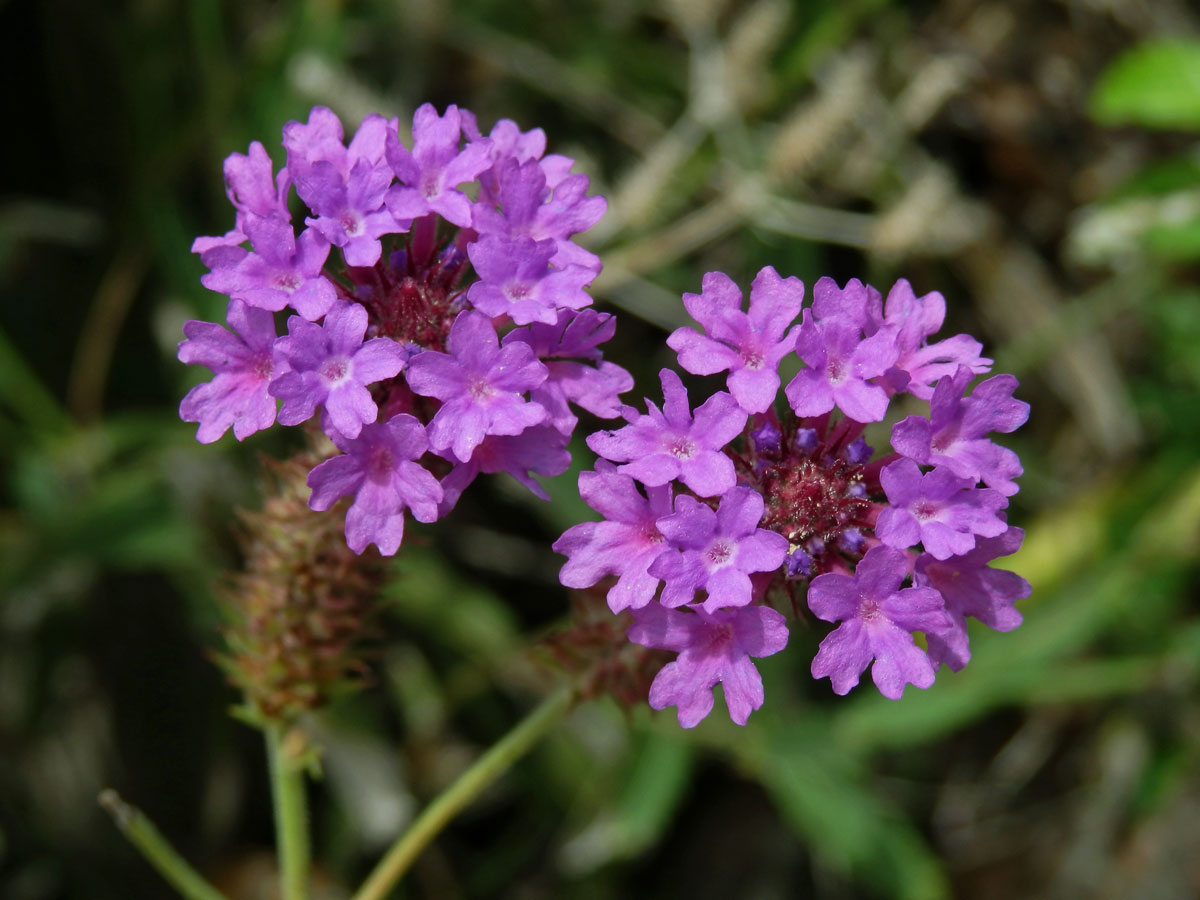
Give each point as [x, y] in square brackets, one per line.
[156, 850]
[291, 812]
[494, 763]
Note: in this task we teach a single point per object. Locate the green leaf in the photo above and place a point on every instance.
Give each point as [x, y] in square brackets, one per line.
[1179, 173]
[1179, 241]
[1154, 85]
[642, 804]
[824, 791]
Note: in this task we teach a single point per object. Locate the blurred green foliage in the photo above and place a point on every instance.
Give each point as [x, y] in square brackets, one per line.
[1035, 162]
[1154, 84]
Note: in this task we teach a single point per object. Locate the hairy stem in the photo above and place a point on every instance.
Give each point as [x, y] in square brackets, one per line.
[291, 815]
[466, 788]
[149, 841]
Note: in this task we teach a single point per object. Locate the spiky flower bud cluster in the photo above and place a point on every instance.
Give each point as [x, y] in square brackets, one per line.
[297, 608]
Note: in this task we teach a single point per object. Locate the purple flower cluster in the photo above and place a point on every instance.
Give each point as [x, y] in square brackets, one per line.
[714, 517]
[447, 336]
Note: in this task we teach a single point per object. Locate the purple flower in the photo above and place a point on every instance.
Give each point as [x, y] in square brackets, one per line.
[720, 550]
[350, 211]
[251, 186]
[332, 366]
[507, 142]
[919, 366]
[378, 469]
[955, 434]
[516, 280]
[243, 365]
[939, 509]
[344, 186]
[254, 192]
[480, 385]
[539, 450]
[858, 305]
[970, 588]
[840, 363]
[625, 544]
[281, 270]
[568, 348]
[317, 140]
[507, 138]
[670, 444]
[877, 620]
[538, 202]
[748, 344]
[431, 173]
[714, 648]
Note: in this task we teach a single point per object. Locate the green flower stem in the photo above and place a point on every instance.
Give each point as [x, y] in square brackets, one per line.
[291, 814]
[466, 788]
[149, 841]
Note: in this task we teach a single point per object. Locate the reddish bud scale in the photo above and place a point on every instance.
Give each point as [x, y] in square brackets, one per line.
[808, 500]
[415, 304]
[593, 649]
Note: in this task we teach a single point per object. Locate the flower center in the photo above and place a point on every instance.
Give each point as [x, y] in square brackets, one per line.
[517, 290]
[335, 369]
[479, 389]
[869, 610]
[263, 367]
[380, 463]
[720, 636]
[650, 535]
[431, 184]
[753, 359]
[808, 499]
[351, 223]
[719, 553]
[682, 447]
[287, 282]
[925, 510]
[836, 371]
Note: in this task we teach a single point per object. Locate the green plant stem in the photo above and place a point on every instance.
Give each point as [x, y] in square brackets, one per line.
[149, 841]
[291, 815]
[466, 788]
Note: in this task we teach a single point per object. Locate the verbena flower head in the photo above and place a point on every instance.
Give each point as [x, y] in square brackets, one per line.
[405, 348]
[771, 500]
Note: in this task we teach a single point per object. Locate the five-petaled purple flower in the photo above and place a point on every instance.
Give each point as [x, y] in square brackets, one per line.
[378, 469]
[243, 365]
[877, 621]
[719, 550]
[938, 509]
[670, 443]
[431, 173]
[972, 588]
[714, 648]
[480, 385]
[625, 544]
[747, 344]
[331, 366]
